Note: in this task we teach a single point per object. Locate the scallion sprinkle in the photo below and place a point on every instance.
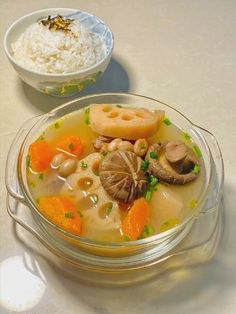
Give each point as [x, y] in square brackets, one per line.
[71, 146]
[87, 115]
[197, 151]
[41, 176]
[167, 121]
[196, 169]
[148, 196]
[84, 165]
[109, 209]
[119, 106]
[154, 155]
[148, 230]
[127, 238]
[28, 161]
[69, 215]
[144, 165]
[79, 212]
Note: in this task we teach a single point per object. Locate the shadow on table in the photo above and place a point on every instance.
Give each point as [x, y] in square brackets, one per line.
[115, 79]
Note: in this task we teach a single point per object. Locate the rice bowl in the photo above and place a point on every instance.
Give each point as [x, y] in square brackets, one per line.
[64, 70]
[48, 51]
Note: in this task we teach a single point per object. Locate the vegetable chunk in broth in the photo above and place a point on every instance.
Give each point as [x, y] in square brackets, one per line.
[114, 173]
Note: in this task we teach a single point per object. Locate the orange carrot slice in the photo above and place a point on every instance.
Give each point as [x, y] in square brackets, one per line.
[62, 212]
[136, 219]
[70, 144]
[40, 156]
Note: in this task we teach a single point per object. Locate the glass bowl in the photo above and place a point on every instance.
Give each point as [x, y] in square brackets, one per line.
[105, 257]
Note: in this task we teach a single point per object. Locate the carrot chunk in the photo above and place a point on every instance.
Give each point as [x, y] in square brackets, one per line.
[40, 156]
[136, 219]
[70, 144]
[62, 212]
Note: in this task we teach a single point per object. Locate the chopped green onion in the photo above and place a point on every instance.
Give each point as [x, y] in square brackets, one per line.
[71, 146]
[41, 176]
[152, 188]
[196, 169]
[154, 155]
[41, 138]
[96, 173]
[127, 238]
[148, 230]
[37, 200]
[94, 198]
[167, 121]
[57, 125]
[69, 215]
[79, 212]
[84, 165]
[109, 209]
[186, 136]
[87, 117]
[197, 151]
[144, 165]
[142, 146]
[153, 181]
[28, 161]
[119, 106]
[32, 184]
[104, 153]
[148, 196]
[193, 204]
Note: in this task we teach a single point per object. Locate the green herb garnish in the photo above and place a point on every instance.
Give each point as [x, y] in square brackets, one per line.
[96, 173]
[79, 212]
[119, 106]
[28, 161]
[193, 204]
[41, 138]
[167, 121]
[186, 136]
[32, 184]
[37, 200]
[154, 155]
[57, 125]
[84, 165]
[69, 215]
[148, 196]
[127, 238]
[142, 146]
[144, 165]
[41, 176]
[109, 209]
[87, 115]
[71, 146]
[148, 230]
[197, 151]
[196, 169]
[153, 181]
[104, 153]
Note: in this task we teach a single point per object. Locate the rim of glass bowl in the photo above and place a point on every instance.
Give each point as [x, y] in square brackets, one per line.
[83, 71]
[163, 235]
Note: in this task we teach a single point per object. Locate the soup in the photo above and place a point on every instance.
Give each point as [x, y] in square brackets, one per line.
[113, 173]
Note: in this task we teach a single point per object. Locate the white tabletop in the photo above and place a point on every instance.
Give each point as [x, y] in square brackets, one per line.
[182, 52]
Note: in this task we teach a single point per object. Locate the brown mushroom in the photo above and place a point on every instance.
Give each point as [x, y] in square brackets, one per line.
[121, 176]
[172, 162]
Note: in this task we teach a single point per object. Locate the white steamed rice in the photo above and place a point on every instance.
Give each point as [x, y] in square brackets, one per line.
[42, 50]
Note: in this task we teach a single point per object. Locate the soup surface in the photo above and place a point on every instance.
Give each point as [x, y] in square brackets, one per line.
[112, 173]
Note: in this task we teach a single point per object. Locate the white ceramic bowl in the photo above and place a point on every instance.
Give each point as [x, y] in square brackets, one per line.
[60, 84]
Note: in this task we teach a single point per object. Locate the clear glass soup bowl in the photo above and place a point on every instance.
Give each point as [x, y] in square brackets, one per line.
[124, 261]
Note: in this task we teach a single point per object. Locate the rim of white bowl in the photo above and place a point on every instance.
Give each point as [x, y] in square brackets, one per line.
[84, 71]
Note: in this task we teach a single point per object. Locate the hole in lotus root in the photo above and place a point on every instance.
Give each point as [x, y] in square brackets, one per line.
[106, 109]
[113, 114]
[127, 117]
